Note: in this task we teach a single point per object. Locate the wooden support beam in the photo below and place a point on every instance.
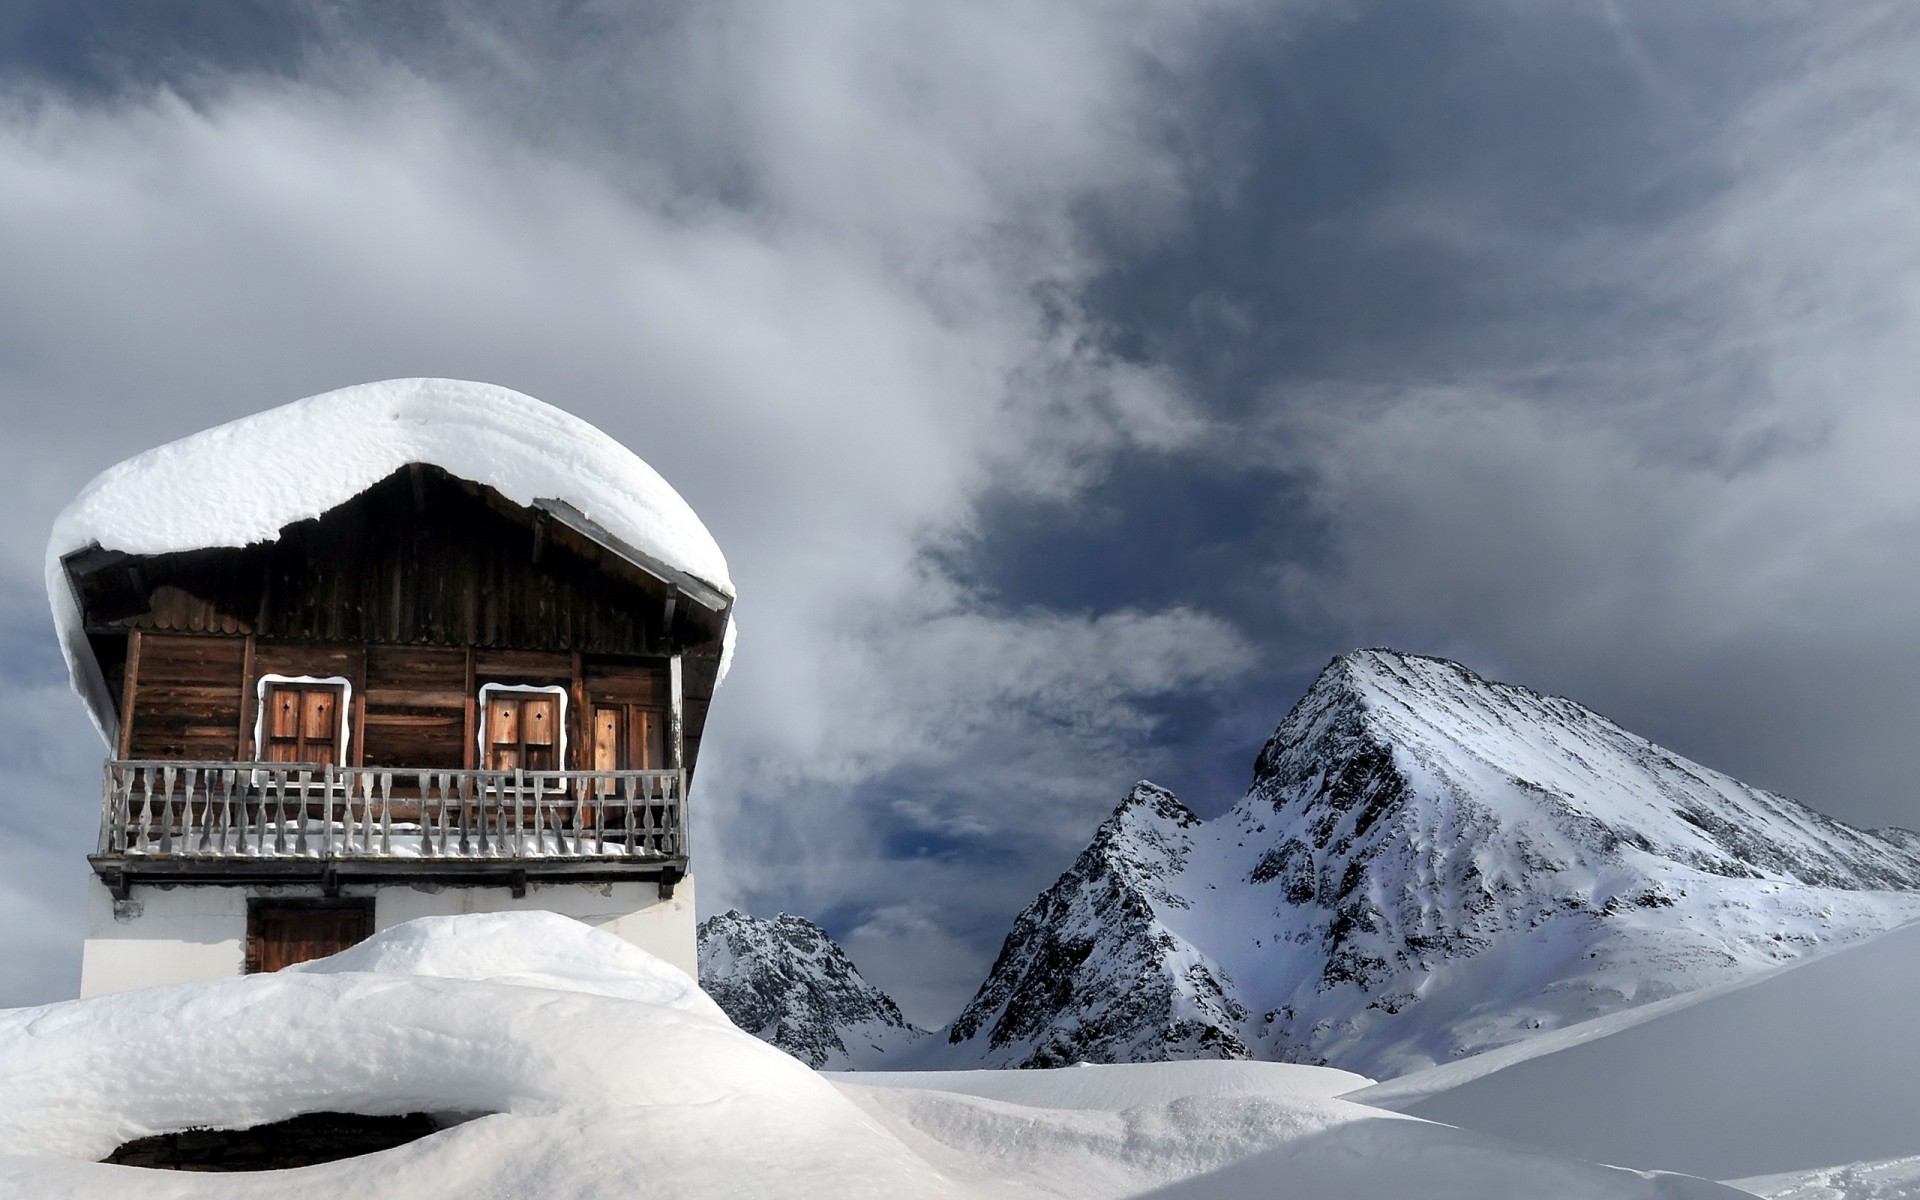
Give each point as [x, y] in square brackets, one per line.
[129, 687]
[243, 736]
[676, 709]
[580, 737]
[469, 753]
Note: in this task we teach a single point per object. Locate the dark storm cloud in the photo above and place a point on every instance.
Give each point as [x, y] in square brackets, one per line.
[1569, 340]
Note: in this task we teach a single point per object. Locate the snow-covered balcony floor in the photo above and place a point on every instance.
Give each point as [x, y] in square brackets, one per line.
[226, 821]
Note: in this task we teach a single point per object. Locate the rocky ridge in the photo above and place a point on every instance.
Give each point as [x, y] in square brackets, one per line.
[1428, 864]
[787, 982]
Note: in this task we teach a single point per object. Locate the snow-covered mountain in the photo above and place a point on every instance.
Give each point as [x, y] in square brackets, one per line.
[1427, 865]
[788, 983]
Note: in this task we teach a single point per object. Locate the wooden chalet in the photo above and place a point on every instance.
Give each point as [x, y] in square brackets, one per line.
[427, 698]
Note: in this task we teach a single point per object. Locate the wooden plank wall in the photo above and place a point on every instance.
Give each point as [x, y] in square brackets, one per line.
[437, 565]
[626, 682]
[187, 697]
[195, 696]
[416, 707]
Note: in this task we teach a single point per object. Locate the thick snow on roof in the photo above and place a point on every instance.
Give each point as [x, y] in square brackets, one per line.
[244, 481]
[605, 1073]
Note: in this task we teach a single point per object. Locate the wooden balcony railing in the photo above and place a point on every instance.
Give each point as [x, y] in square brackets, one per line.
[242, 810]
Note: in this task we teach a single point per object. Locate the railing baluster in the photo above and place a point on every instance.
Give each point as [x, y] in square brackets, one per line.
[137, 828]
[386, 813]
[520, 823]
[227, 782]
[257, 800]
[487, 799]
[304, 795]
[425, 783]
[167, 775]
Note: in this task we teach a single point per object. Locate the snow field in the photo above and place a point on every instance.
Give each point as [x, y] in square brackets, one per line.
[606, 1073]
[1810, 1075]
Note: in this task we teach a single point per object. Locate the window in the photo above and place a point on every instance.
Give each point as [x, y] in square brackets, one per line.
[522, 728]
[301, 720]
[629, 737]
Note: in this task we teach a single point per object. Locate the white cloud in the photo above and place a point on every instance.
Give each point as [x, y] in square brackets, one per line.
[1703, 509]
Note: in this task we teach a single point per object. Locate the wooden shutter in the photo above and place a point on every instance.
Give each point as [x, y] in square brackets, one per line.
[606, 737]
[301, 723]
[629, 737]
[523, 731]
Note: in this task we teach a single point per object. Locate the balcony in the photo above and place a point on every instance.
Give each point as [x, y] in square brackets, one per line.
[234, 822]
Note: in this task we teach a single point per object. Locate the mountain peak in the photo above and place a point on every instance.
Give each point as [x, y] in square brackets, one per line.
[784, 980]
[1427, 865]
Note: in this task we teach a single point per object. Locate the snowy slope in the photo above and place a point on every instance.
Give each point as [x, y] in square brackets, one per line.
[1428, 865]
[605, 1073]
[786, 982]
[245, 481]
[1214, 1131]
[1811, 1066]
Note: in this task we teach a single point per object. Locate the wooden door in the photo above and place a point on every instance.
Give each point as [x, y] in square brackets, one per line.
[279, 935]
[523, 731]
[301, 723]
[629, 737]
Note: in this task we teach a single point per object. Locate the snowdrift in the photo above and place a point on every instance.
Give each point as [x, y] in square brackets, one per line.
[603, 1072]
[1808, 1067]
[243, 482]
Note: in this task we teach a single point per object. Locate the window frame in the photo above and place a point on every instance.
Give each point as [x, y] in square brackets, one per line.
[546, 689]
[342, 747]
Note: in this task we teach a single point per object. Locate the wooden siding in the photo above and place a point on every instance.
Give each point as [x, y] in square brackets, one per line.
[421, 557]
[197, 696]
[416, 707]
[417, 592]
[187, 697]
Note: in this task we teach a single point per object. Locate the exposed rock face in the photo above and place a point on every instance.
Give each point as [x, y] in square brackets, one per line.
[788, 983]
[1091, 946]
[1427, 865]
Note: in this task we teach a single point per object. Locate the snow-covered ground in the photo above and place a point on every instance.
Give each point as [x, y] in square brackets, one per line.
[602, 1071]
[1790, 1077]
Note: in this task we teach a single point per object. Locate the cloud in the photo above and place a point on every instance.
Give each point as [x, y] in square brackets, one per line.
[818, 265]
[1696, 504]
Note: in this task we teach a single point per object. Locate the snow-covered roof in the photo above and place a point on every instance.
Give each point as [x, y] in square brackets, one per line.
[243, 482]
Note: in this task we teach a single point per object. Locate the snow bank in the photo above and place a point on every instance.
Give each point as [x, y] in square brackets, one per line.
[604, 1073]
[1116, 1087]
[1809, 1067]
[1893, 1179]
[634, 1086]
[242, 482]
[1265, 1140]
[532, 949]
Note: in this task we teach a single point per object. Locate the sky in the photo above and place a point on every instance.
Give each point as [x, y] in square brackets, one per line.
[1067, 381]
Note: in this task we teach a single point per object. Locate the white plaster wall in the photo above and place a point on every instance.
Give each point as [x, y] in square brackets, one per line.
[192, 932]
[161, 935]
